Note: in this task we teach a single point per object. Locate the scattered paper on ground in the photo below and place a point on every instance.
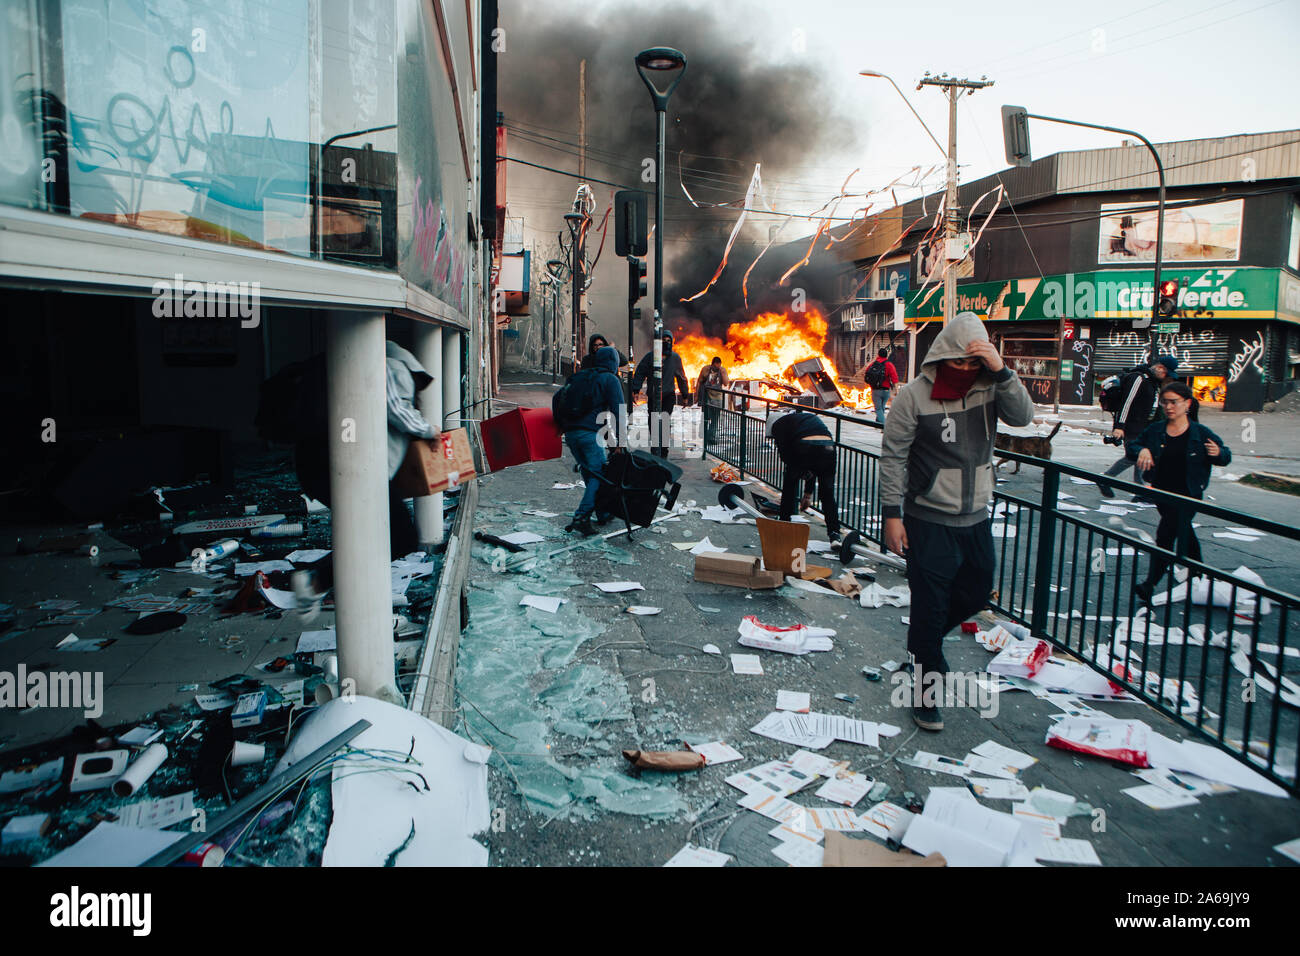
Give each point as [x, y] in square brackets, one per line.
[746, 664]
[692, 855]
[797, 701]
[716, 752]
[618, 587]
[548, 604]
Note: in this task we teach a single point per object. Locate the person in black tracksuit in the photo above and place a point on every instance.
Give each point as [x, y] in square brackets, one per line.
[1134, 412]
[1175, 455]
[674, 377]
[807, 449]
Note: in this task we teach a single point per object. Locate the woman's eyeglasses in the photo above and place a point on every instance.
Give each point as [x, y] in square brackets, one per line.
[1172, 401]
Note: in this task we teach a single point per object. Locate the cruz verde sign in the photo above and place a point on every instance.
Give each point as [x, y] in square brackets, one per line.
[1111, 294]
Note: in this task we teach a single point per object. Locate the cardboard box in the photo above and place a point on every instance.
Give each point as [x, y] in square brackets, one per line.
[249, 710]
[440, 464]
[735, 570]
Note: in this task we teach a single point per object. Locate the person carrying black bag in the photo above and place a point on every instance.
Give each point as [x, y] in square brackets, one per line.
[1175, 455]
[585, 410]
[1133, 413]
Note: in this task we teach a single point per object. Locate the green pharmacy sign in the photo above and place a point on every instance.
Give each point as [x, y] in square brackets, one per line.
[1112, 294]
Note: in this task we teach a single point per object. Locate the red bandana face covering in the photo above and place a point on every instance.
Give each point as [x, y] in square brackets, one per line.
[953, 383]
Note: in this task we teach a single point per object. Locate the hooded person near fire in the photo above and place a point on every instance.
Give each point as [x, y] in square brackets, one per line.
[936, 484]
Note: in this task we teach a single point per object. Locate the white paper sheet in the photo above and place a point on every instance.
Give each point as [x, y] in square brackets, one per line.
[1158, 798]
[793, 700]
[967, 834]
[1207, 762]
[800, 853]
[781, 725]
[706, 546]
[692, 855]
[716, 752]
[313, 641]
[1042, 823]
[157, 814]
[521, 537]
[1065, 850]
[746, 664]
[811, 763]
[111, 844]
[538, 513]
[995, 789]
[541, 602]
[939, 764]
[1004, 755]
[887, 820]
[846, 789]
[989, 767]
[307, 555]
[849, 729]
[643, 610]
[618, 587]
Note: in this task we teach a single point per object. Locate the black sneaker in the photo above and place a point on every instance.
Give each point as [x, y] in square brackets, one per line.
[928, 718]
[581, 525]
[1106, 491]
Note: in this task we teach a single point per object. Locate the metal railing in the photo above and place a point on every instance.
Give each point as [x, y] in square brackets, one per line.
[1201, 658]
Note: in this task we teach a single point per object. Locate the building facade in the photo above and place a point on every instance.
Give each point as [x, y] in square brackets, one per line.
[1064, 280]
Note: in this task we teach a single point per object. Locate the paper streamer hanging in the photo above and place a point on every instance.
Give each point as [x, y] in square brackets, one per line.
[754, 183]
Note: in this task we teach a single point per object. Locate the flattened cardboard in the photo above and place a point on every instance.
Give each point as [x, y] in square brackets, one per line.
[842, 851]
[780, 539]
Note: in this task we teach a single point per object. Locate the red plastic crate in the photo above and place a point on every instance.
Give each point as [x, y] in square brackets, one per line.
[524, 434]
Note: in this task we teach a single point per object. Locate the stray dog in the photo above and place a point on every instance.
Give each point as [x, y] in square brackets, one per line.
[1039, 446]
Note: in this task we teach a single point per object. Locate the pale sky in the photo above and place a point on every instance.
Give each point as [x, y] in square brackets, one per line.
[1170, 69]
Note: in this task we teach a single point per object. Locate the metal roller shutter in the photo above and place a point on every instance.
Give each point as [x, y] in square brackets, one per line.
[1203, 351]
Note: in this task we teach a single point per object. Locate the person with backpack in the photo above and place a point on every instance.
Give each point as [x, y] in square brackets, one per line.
[586, 411]
[713, 376]
[674, 377]
[1175, 455]
[1132, 404]
[881, 376]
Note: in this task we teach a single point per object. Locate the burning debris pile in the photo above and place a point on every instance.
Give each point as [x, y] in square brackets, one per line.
[783, 352]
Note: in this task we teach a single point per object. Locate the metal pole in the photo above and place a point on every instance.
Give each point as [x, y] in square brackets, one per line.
[575, 275]
[656, 377]
[950, 217]
[1160, 214]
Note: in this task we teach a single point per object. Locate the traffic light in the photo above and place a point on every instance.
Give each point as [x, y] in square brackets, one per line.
[1015, 135]
[636, 288]
[630, 225]
[1168, 298]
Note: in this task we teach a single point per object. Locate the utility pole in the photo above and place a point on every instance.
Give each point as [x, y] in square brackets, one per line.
[582, 119]
[952, 87]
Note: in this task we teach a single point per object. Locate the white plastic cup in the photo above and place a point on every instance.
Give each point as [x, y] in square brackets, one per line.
[245, 753]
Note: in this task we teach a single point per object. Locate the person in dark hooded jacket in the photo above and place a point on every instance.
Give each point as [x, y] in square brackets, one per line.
[595, 342]
[674, 377]
[595, 428]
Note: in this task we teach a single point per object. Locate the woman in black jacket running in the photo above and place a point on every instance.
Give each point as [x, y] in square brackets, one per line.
[1175, 455]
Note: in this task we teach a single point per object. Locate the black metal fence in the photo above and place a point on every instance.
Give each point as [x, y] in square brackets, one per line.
[1220, 656]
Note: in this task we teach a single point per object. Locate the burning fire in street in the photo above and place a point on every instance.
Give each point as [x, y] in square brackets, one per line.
[764, 348]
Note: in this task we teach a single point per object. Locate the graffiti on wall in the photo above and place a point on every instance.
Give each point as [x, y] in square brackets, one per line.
[1251, 355]
[1081, 353]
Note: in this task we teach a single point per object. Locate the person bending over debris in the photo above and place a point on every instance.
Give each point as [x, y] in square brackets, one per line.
[938, 437]
[807, 449]
[586, 412]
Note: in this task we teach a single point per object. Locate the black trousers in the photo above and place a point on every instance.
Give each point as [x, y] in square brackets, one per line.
[667, 404]
[818, 460]
[950, 575]
[1174, 516]
[312, 462]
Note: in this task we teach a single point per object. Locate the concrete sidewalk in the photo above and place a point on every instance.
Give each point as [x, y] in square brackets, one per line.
[560, 695]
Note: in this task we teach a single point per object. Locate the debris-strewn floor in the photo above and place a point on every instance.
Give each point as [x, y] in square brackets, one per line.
[561, 695]
[227, 640]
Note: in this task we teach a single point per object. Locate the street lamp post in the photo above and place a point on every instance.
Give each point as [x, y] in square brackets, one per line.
[666, 62]
[555, 270]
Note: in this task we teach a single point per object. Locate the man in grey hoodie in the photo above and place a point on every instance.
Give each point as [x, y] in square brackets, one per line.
[936, 484]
